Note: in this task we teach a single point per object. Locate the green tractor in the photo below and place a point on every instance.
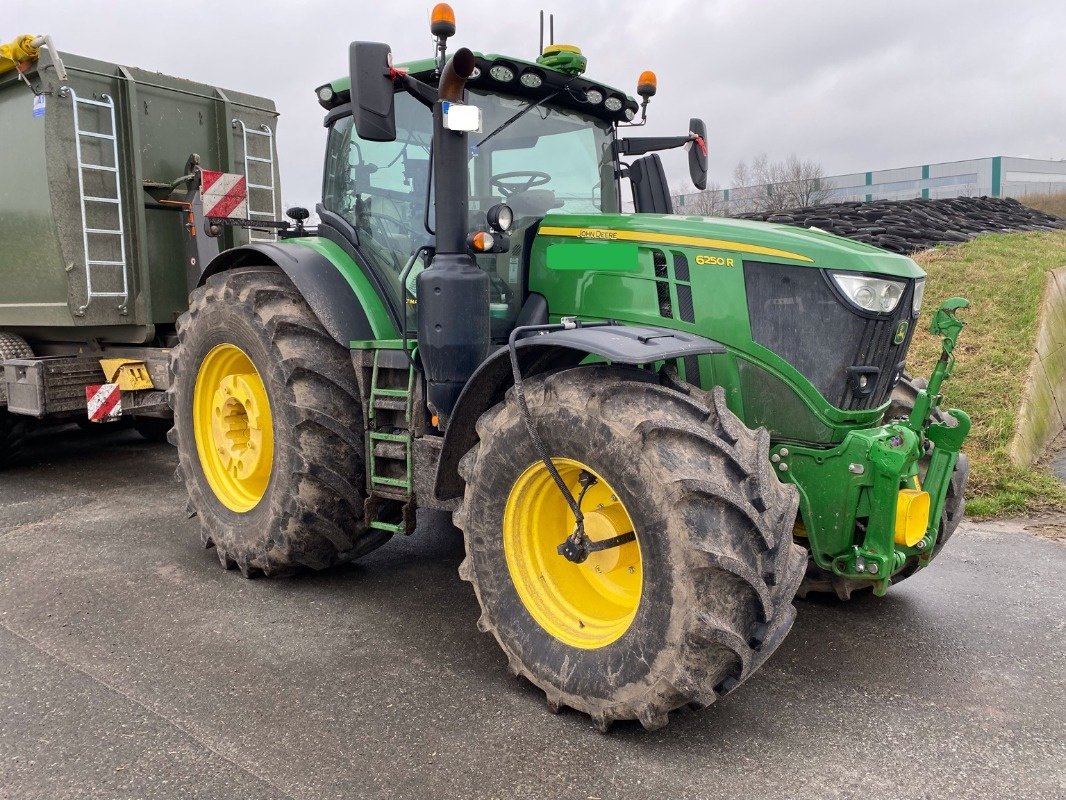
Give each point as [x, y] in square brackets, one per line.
[653, 430]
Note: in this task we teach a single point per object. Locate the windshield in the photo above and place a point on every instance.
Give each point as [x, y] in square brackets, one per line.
[546, 160]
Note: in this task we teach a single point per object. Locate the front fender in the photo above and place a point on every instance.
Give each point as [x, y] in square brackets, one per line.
[549, 352]
[333, 285]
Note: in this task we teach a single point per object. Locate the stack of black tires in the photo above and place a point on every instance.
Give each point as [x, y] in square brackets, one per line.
[907, 226]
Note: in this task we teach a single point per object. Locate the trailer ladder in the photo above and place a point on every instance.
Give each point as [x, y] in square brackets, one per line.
[96, 264]
[251, 162]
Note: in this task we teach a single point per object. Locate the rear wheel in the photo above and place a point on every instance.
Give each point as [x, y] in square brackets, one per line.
[13, 427]
[268, 427]
[696, 593]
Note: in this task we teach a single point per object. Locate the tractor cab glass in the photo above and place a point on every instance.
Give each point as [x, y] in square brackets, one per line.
[549, 159]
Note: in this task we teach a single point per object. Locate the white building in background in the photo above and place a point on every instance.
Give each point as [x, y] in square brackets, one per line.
[998, 176]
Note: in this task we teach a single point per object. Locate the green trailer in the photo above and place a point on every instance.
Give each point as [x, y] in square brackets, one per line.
[94, 245]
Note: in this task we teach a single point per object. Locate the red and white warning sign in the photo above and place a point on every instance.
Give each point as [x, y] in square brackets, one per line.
[225, 194]
[103, 402]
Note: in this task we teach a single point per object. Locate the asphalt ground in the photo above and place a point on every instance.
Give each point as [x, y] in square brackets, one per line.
[133, 666]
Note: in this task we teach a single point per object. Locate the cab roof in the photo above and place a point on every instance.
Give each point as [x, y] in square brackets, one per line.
[572, 89]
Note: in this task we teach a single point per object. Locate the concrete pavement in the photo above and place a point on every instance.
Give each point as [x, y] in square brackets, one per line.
[133, 666]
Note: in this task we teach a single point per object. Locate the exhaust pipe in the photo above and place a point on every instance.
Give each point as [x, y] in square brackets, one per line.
[453, 79]
[452, 292]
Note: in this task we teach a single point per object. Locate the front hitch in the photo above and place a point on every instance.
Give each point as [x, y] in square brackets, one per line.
[892, 535]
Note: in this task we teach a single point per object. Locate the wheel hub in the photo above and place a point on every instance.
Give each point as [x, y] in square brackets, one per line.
[236, 425]
[233, 427]
[586, 603]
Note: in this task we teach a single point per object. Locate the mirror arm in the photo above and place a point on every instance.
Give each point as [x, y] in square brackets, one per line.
[639, 145]
[422, 92]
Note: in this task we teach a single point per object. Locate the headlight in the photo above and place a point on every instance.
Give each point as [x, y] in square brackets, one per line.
[919, 295]
[613, 103]
[594, 96]
[870, 294]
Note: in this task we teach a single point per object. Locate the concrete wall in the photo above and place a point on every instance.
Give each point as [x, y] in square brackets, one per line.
[1042, 414]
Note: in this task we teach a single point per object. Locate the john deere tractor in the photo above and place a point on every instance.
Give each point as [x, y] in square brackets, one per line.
[653, 430]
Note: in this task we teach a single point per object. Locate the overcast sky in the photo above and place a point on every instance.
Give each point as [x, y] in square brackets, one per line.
[852, 85]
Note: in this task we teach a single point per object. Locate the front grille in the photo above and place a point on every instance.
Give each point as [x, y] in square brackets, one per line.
[796, 313]
[662, 284]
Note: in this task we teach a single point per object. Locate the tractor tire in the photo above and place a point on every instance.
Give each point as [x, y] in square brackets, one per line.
[677, 617]
[268, 427]
[13, 427]
[818, 581]
[153, 429]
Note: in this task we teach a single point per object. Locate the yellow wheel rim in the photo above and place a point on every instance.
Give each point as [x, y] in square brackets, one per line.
[587, 605]
[233, 429]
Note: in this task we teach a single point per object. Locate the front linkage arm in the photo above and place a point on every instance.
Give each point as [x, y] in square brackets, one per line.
[947, 440]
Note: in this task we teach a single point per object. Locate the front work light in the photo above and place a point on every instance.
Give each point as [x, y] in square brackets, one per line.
[501, 72]
[876, 295]
[500, 217]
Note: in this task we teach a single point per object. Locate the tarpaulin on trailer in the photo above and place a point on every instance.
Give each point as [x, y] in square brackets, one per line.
[14, 53]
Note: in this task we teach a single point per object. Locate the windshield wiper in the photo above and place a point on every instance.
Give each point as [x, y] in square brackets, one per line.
[521, 113]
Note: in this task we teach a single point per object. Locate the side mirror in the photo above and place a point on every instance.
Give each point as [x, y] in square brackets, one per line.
[697, 154]
[372, 92]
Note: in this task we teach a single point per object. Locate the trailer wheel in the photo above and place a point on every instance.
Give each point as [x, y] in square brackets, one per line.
[13, 427]
[676, 615]
[818, 581]
[268, 427]
[153, 429]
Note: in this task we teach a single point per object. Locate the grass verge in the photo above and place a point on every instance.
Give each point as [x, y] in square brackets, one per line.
[1003, 277]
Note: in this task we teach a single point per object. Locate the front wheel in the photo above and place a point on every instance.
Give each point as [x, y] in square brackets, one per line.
[696, 591]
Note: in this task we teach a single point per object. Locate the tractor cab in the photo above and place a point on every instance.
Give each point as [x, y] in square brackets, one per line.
[545, 142]
[549, 159]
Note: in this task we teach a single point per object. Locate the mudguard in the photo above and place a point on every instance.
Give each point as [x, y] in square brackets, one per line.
[335, 288]
[548, 352]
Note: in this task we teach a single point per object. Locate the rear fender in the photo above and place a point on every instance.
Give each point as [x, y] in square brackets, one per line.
[334, 286]
[550, 352]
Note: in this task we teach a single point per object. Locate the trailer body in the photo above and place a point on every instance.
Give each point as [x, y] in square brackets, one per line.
[93, 231]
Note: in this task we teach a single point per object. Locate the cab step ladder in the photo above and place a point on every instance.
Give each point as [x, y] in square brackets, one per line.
[389, 441]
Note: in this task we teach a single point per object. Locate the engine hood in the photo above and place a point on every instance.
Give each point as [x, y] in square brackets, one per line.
[716, 238]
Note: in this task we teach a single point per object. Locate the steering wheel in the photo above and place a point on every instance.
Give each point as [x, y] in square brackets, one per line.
[533, 179]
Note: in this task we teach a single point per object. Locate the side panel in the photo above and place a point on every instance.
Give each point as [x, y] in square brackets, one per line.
[33, 283]
[159, 122]
[334, 286]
